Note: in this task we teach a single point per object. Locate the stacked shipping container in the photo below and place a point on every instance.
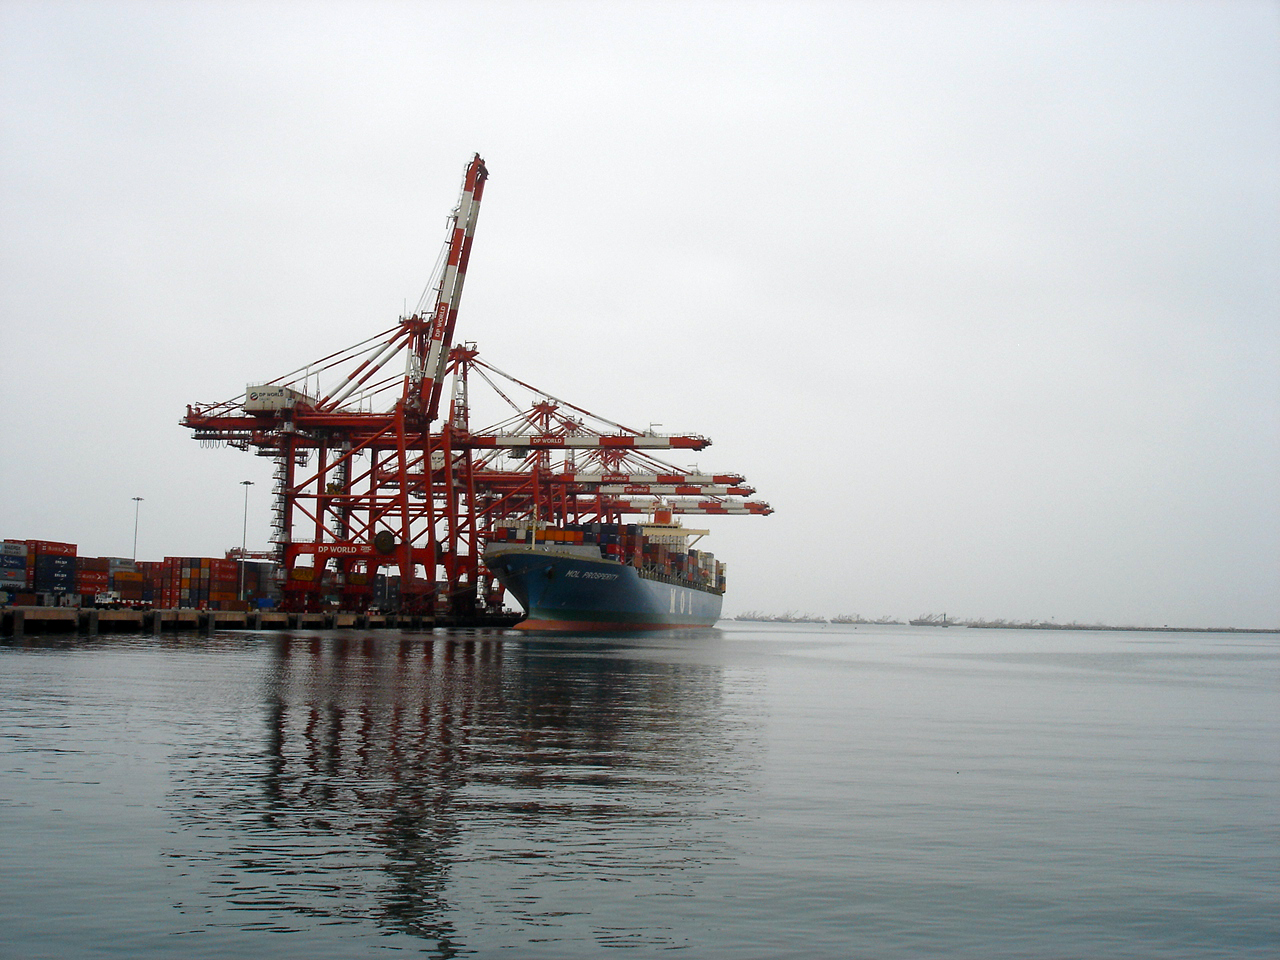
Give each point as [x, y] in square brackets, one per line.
[627, 543]
[93, 576]
[13, 566]
[51, 566]
[211, 584]
[31, 568]
[386, 592]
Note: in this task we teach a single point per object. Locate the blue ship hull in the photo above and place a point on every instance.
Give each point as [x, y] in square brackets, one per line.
[564, 589]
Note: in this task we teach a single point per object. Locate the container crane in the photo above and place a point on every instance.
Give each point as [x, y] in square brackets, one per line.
[358, 490]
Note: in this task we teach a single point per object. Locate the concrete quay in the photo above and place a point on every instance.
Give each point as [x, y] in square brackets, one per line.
[17, 622]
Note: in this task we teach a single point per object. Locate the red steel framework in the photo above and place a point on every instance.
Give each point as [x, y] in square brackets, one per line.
[359, 489]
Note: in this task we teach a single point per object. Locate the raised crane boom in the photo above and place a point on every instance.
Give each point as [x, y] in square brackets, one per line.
[428, 338]
[430, 342]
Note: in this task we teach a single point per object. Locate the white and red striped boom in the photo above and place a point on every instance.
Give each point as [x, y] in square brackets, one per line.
[427, 338]
[704, 507]
[431, 340]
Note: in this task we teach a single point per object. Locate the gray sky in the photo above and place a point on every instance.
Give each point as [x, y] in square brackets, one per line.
[984, 298]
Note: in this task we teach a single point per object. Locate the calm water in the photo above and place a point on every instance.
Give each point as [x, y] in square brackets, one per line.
[757, 791]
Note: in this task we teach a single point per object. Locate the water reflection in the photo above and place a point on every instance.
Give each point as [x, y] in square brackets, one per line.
[447, 786]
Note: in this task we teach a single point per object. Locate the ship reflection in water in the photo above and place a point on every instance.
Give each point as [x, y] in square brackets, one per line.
[465, 791]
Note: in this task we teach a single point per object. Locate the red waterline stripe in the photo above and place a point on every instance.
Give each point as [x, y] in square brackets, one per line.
[599, 625]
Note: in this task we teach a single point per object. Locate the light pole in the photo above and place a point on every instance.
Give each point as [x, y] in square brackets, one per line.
[244, 533]
[137, 503]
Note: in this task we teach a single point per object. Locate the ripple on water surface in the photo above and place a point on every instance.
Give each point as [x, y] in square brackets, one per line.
[756, 790]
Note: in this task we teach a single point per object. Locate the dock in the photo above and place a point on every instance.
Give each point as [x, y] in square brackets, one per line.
[18, 622]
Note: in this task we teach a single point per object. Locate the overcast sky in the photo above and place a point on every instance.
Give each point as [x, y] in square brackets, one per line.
[984, 298]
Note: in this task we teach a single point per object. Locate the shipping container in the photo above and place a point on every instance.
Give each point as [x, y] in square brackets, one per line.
[270, 397]
[51, 548]
[54, 572]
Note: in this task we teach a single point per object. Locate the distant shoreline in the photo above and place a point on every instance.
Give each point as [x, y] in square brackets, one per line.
[998, 625]
[1081, 626]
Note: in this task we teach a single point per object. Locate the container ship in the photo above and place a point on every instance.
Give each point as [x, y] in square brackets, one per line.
[608, 576]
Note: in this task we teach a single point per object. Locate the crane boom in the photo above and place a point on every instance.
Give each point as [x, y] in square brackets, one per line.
[431, 339]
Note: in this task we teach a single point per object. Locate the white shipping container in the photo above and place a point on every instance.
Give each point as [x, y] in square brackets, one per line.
[266, 398]
[9, 549]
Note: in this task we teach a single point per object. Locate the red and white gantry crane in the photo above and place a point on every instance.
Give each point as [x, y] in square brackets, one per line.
[369, 477]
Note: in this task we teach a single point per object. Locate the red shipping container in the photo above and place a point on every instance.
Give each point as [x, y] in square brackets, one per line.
[51, 547]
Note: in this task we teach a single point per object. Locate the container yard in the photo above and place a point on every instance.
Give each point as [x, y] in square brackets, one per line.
[49, 574]
[46, 587]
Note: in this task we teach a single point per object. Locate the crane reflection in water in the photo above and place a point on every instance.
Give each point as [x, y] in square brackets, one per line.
[440, 787]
